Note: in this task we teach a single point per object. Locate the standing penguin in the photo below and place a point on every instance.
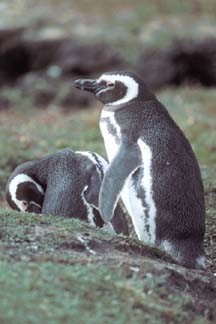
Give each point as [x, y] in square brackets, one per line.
[65, 183]
[152, 167]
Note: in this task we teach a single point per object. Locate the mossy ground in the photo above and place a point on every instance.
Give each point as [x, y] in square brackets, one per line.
[55, 270]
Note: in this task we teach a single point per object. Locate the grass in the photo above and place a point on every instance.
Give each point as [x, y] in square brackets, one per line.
[55, 293]
[194, 110]
[47, 275]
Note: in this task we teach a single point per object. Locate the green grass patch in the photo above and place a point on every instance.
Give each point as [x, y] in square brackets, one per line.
[46, 277]
[55, 293]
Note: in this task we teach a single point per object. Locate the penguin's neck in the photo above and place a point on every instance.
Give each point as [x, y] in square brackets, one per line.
[131, 105]
[133, 111]
[130, 119]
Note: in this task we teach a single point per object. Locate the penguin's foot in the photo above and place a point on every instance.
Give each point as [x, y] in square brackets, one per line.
[188, 253]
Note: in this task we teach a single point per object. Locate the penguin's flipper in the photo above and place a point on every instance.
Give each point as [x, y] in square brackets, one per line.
[126, 162]
[93, 186]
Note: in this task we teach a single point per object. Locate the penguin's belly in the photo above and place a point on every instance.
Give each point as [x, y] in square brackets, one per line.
[111, 147]
[141, 209]
[135, 209]
[111, 133]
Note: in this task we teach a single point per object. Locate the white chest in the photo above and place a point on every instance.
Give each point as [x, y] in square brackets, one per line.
[141, 209]
[111, 133]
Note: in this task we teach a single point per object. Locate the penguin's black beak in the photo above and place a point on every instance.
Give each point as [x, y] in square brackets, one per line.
[88, 85]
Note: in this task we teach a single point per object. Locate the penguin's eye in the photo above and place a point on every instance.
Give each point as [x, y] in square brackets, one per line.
[106, 83]
[110, 84]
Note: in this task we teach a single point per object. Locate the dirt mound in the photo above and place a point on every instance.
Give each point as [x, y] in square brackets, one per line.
[49, 62]
[45, 68]
[69, 57]
[183, 62]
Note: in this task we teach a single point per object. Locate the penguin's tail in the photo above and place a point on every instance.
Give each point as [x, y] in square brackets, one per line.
[188, 253]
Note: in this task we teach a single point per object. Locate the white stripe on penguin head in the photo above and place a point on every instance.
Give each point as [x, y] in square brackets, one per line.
[129, 82]
[15, 182]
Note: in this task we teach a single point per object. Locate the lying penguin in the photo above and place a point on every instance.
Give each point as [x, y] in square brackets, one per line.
[152, 167]
[65, 183]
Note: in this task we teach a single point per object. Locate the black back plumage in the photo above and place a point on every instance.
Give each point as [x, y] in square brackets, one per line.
[63, 176]
[177, 184]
